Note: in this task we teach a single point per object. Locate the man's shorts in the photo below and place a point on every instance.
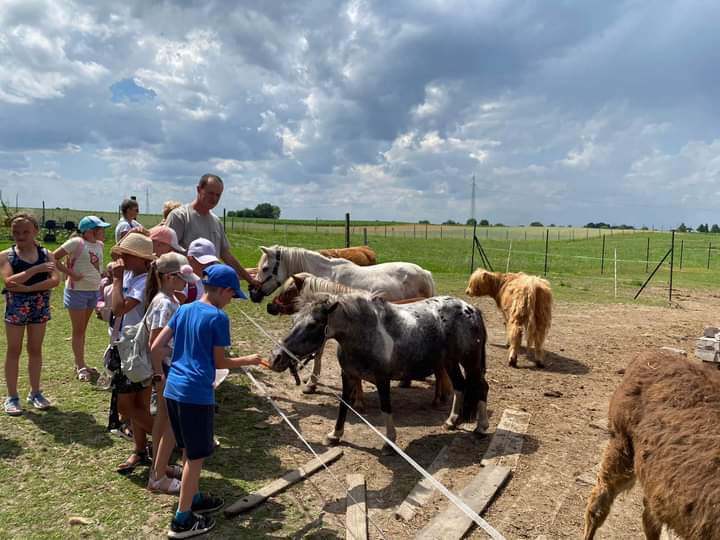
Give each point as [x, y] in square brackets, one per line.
[80, 299]
[22, 309]
[193, 426]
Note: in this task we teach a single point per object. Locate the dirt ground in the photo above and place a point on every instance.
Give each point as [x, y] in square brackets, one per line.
[588, 346]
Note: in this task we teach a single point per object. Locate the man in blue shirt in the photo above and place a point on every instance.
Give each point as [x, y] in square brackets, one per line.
[201, 331]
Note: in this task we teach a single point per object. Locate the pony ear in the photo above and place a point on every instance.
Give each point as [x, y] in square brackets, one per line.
[264, 249]
[332, 307]
[299, 281]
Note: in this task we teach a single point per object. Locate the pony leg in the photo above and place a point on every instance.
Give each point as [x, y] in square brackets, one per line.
[333, 438]
[616, 475]
[458, 383]
[383, 386]
[539, 357]
[311, 384]
[651, 525]
[483, 423]
[358, 402]
[515, 338]
[443, 387]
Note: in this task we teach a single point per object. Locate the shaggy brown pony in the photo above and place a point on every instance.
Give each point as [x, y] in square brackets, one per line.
[360, 255]
[525, 302]
[664, 424]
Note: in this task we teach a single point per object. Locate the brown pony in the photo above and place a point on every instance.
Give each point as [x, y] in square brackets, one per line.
[664, 424]
[525, 302]
[360, 255]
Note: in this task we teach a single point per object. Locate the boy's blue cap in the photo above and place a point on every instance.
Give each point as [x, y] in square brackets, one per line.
[221, 275]
[91, 222]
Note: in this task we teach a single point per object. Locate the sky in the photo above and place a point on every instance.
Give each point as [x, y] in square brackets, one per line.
[564, 112]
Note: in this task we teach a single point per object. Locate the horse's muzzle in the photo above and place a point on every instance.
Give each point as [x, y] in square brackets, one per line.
[273, 309]
[256, 294]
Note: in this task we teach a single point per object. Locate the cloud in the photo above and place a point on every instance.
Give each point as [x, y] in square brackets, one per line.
[385, 109]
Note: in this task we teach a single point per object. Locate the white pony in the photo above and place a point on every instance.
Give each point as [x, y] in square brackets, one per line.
[392, 281]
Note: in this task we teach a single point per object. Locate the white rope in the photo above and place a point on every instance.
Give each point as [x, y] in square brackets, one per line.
[469, 512]
[265, 394]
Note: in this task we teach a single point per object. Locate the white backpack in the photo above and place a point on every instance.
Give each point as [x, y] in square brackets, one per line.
[132, 346]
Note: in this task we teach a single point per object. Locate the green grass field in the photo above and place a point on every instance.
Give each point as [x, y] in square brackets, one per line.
[61, 463]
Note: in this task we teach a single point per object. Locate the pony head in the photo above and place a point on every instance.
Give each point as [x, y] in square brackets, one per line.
[270, 273]
[481, 283]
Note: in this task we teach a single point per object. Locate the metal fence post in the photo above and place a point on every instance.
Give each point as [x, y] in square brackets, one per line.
[602, 257]
[547, 240]
[672, 257]
[347, 230]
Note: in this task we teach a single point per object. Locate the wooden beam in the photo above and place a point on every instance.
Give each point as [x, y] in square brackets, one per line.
[273, 488]
[356, 508]
[507, 441]
[423, 490]
[452, 523]
[500, 458]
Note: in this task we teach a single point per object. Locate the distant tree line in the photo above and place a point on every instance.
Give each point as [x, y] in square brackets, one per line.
[703, 228]
[262, 210]
[602, 225]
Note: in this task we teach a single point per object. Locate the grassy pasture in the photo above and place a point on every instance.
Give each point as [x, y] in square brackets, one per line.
[61, 463]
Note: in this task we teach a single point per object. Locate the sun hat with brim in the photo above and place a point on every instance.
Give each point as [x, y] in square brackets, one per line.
[224, 277]
[174, 263]
[203, 250]
[166, 235]
[91, 222]
[136, 244]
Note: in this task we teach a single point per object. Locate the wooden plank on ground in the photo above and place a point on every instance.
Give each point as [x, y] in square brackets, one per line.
[423, 490]
[273, 488]
[452, 523]
[356, 508]
[507, 441]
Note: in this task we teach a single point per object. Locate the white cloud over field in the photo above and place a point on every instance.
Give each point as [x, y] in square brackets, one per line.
[565, 112]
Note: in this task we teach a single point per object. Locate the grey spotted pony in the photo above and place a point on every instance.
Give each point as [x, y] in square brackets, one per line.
[379, 342]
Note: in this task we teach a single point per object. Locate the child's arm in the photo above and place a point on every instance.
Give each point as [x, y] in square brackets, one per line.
[224, 362]
[59, 255]
[119, 304]
[49, 283]
[159, 348]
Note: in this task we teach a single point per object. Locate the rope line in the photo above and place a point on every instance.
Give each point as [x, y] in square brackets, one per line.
[266, 395]
[469, 512]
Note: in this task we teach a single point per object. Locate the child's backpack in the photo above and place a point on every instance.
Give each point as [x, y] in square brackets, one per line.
[132, 347]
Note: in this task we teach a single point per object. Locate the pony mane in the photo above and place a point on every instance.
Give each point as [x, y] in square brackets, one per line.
[295, 258]
[315, 284]
[353, 303]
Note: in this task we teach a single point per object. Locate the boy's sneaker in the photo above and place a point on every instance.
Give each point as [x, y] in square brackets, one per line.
[208, 503]
[195, 526]
[12, 406]
[38, 401]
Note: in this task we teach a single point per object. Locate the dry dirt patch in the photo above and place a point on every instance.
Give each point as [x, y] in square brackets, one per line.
[588, 347]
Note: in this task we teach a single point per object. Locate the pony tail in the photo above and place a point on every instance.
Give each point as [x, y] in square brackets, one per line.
[152, 283]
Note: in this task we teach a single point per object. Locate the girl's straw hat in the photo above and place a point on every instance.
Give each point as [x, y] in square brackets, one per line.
[135, 244]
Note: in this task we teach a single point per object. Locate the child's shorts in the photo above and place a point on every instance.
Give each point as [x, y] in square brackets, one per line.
[193, 426]
[80, 299]
[22, 309]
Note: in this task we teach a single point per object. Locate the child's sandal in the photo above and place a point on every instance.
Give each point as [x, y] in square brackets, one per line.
[169, 486]
[135, 460]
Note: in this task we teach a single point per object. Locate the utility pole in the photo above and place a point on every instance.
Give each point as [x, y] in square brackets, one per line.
[472, 203]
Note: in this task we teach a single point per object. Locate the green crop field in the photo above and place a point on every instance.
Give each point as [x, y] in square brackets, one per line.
[61, 463]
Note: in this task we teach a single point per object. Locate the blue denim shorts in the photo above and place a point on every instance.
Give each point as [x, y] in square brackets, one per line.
[80, 299]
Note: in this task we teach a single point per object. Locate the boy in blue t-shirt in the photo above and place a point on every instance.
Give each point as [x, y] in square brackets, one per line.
[201, 331]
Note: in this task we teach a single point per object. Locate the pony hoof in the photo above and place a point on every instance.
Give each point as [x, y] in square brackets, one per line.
[405, 384]
[450, 426]
[539, 364]
[513, 363]
[387, 450]
[331, 440]
[480, 433]
[309, 389]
